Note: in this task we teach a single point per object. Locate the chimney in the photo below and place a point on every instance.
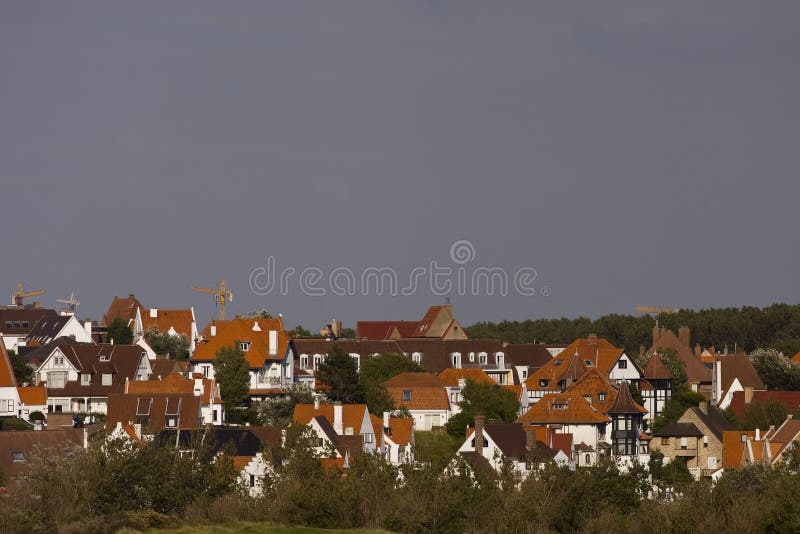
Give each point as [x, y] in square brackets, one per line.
[153, 313]
[683, 336]
[748, 394]
[256, 327]
[592, 339]
[758, 434]
[87, 325]
[213, 330]
[530, 439]
[127, 382]
[703, 407]
[316, 403]
[273, 342]
[479, 420]
[337, 418]
[386, 419]
[725, 350]
[697, 349]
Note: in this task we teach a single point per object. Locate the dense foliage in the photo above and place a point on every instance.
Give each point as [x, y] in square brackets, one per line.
[177, 347]
[277, 411]
[747, 328]
[103, 490]
[338, 376]
[232, 373]
[119, 332]
[776, 372]
[675, 407]
[22, 371]
[491, 400]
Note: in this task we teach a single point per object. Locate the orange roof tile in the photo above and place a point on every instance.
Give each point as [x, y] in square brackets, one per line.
[174, 384]
[124, 308]
[352, 414]
[563, 408]
[451, 376]
[180, 320]
[240, 462]
[426, 391]
[377, 426]
[796, 358]
[402, 430]
[733, 447]
[242, 330]
[33, 395]
[573, 362]
[7, 377]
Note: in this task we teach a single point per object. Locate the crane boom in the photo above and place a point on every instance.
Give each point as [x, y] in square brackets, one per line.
[221, 295]
[20, 294]
[656, 309]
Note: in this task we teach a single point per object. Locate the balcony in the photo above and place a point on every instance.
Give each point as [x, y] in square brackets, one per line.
[687, 452]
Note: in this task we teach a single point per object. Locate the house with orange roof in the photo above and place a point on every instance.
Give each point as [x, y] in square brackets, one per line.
[346, 420]
[178, 322]
[9, 394]
[396, 438]
[122, 308]
[31, 399]
[266, 348]
[742, 448]
[424, 395]
[575, 360]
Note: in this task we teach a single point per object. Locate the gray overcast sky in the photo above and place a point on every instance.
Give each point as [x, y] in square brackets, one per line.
[631, 152]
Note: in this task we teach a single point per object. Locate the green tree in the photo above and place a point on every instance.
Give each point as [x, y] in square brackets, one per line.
[299, 331]
[339, 373]
[263, 313]
[278, 411]
[377, 370]
[232, 373]
[491, 400]
[348, 333]
[119, 332]
[762, 415]
[775, 371]
[680, 382]
[163, 343]
[22, 371]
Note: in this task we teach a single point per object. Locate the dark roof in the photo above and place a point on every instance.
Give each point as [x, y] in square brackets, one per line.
[377, 330]
[237, 441]
[47, 328]
[510, 437]
[121, 362]
[624, 403]
[40, 352]
[19, 321]
[534, 355]
[164, 366]
[361, 347]
[124, 408]
[656, 370]
[713, 419]
[344, 443]
[479, 463]
[696, 372]
[680, 430]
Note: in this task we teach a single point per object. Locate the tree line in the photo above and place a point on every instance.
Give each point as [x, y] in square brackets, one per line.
[745, 328]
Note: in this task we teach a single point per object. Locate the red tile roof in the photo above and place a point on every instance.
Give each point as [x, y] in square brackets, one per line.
[790, 399]
[656, 370]
[427, 391]
[7, 377]
[380, 330]
[33, 395]
[125, 308]
[451, 376]
[179, 320]
[352, 414]
[402, 430]
[563, 408]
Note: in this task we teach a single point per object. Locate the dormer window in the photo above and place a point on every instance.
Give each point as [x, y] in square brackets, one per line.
[559, 406]
[104, 357]
[602, 396]
[456, 359]
[482, 358]
[406, 394]
[557, 363]
[244, 346]
[17, 456]
[303, 361]
[499, 359]
[588, 363]
[472, 357]
[86, 379]
[416, 357]
[106, 379]
[543, 383]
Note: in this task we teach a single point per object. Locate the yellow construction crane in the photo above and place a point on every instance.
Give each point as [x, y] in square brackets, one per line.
[17, 297]
[221, 296]
[657, 310]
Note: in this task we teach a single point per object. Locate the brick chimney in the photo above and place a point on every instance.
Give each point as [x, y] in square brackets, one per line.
[683, 336]
[530, 439]
[337, 418]
[703, 407]
[479, 421]
[748, 395]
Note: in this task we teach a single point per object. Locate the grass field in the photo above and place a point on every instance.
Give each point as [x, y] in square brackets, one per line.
[255, 528]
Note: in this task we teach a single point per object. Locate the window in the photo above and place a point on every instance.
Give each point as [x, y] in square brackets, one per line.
[456, 359]
[58, 361]
[483, 358]
[3, 405]
[406, 394]
[543, 383]
[172, 421]
[665, 441]
[557, 363]
[524, 374]
[320, 442]
[705, 441]
[588, 363]
[683, 443]
[252, 480]
[56, 379]
[303, 361]
[86, 379]
[602, 396]
[244, 346]
[417, 357]
[471, 356]
[622, 364]
[17, 456]
[368, 438]
[106, 380]
[500, 360]
[205, 370]
[214, 416]
[588, 458]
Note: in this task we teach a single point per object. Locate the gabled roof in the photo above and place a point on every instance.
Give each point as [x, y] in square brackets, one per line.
[597, 350]
[451, 376]
[352, 414]
[164, 366]
[624, 402]
[738, 366]
[787, 432]
[17, 321]
[424, 329]
[176, 384]
[563, 368]
[733, 447]
[401, 430]
[120, 361]
[363, 348]
[47, 328]
[563, 408]
[37, 354]
[534, 355]
[656, 370]
[563, 442]
[27, 442]
[790, 399]
[594, 385]
[344, 444]
[180, 320]
[252, 330]
[509, 437]
[239, 441]
[124, 308]
[7, 377]
[407, 380]
[713, 418]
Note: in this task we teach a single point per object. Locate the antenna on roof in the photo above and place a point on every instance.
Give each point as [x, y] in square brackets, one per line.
[447, 299]
[72, 303]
